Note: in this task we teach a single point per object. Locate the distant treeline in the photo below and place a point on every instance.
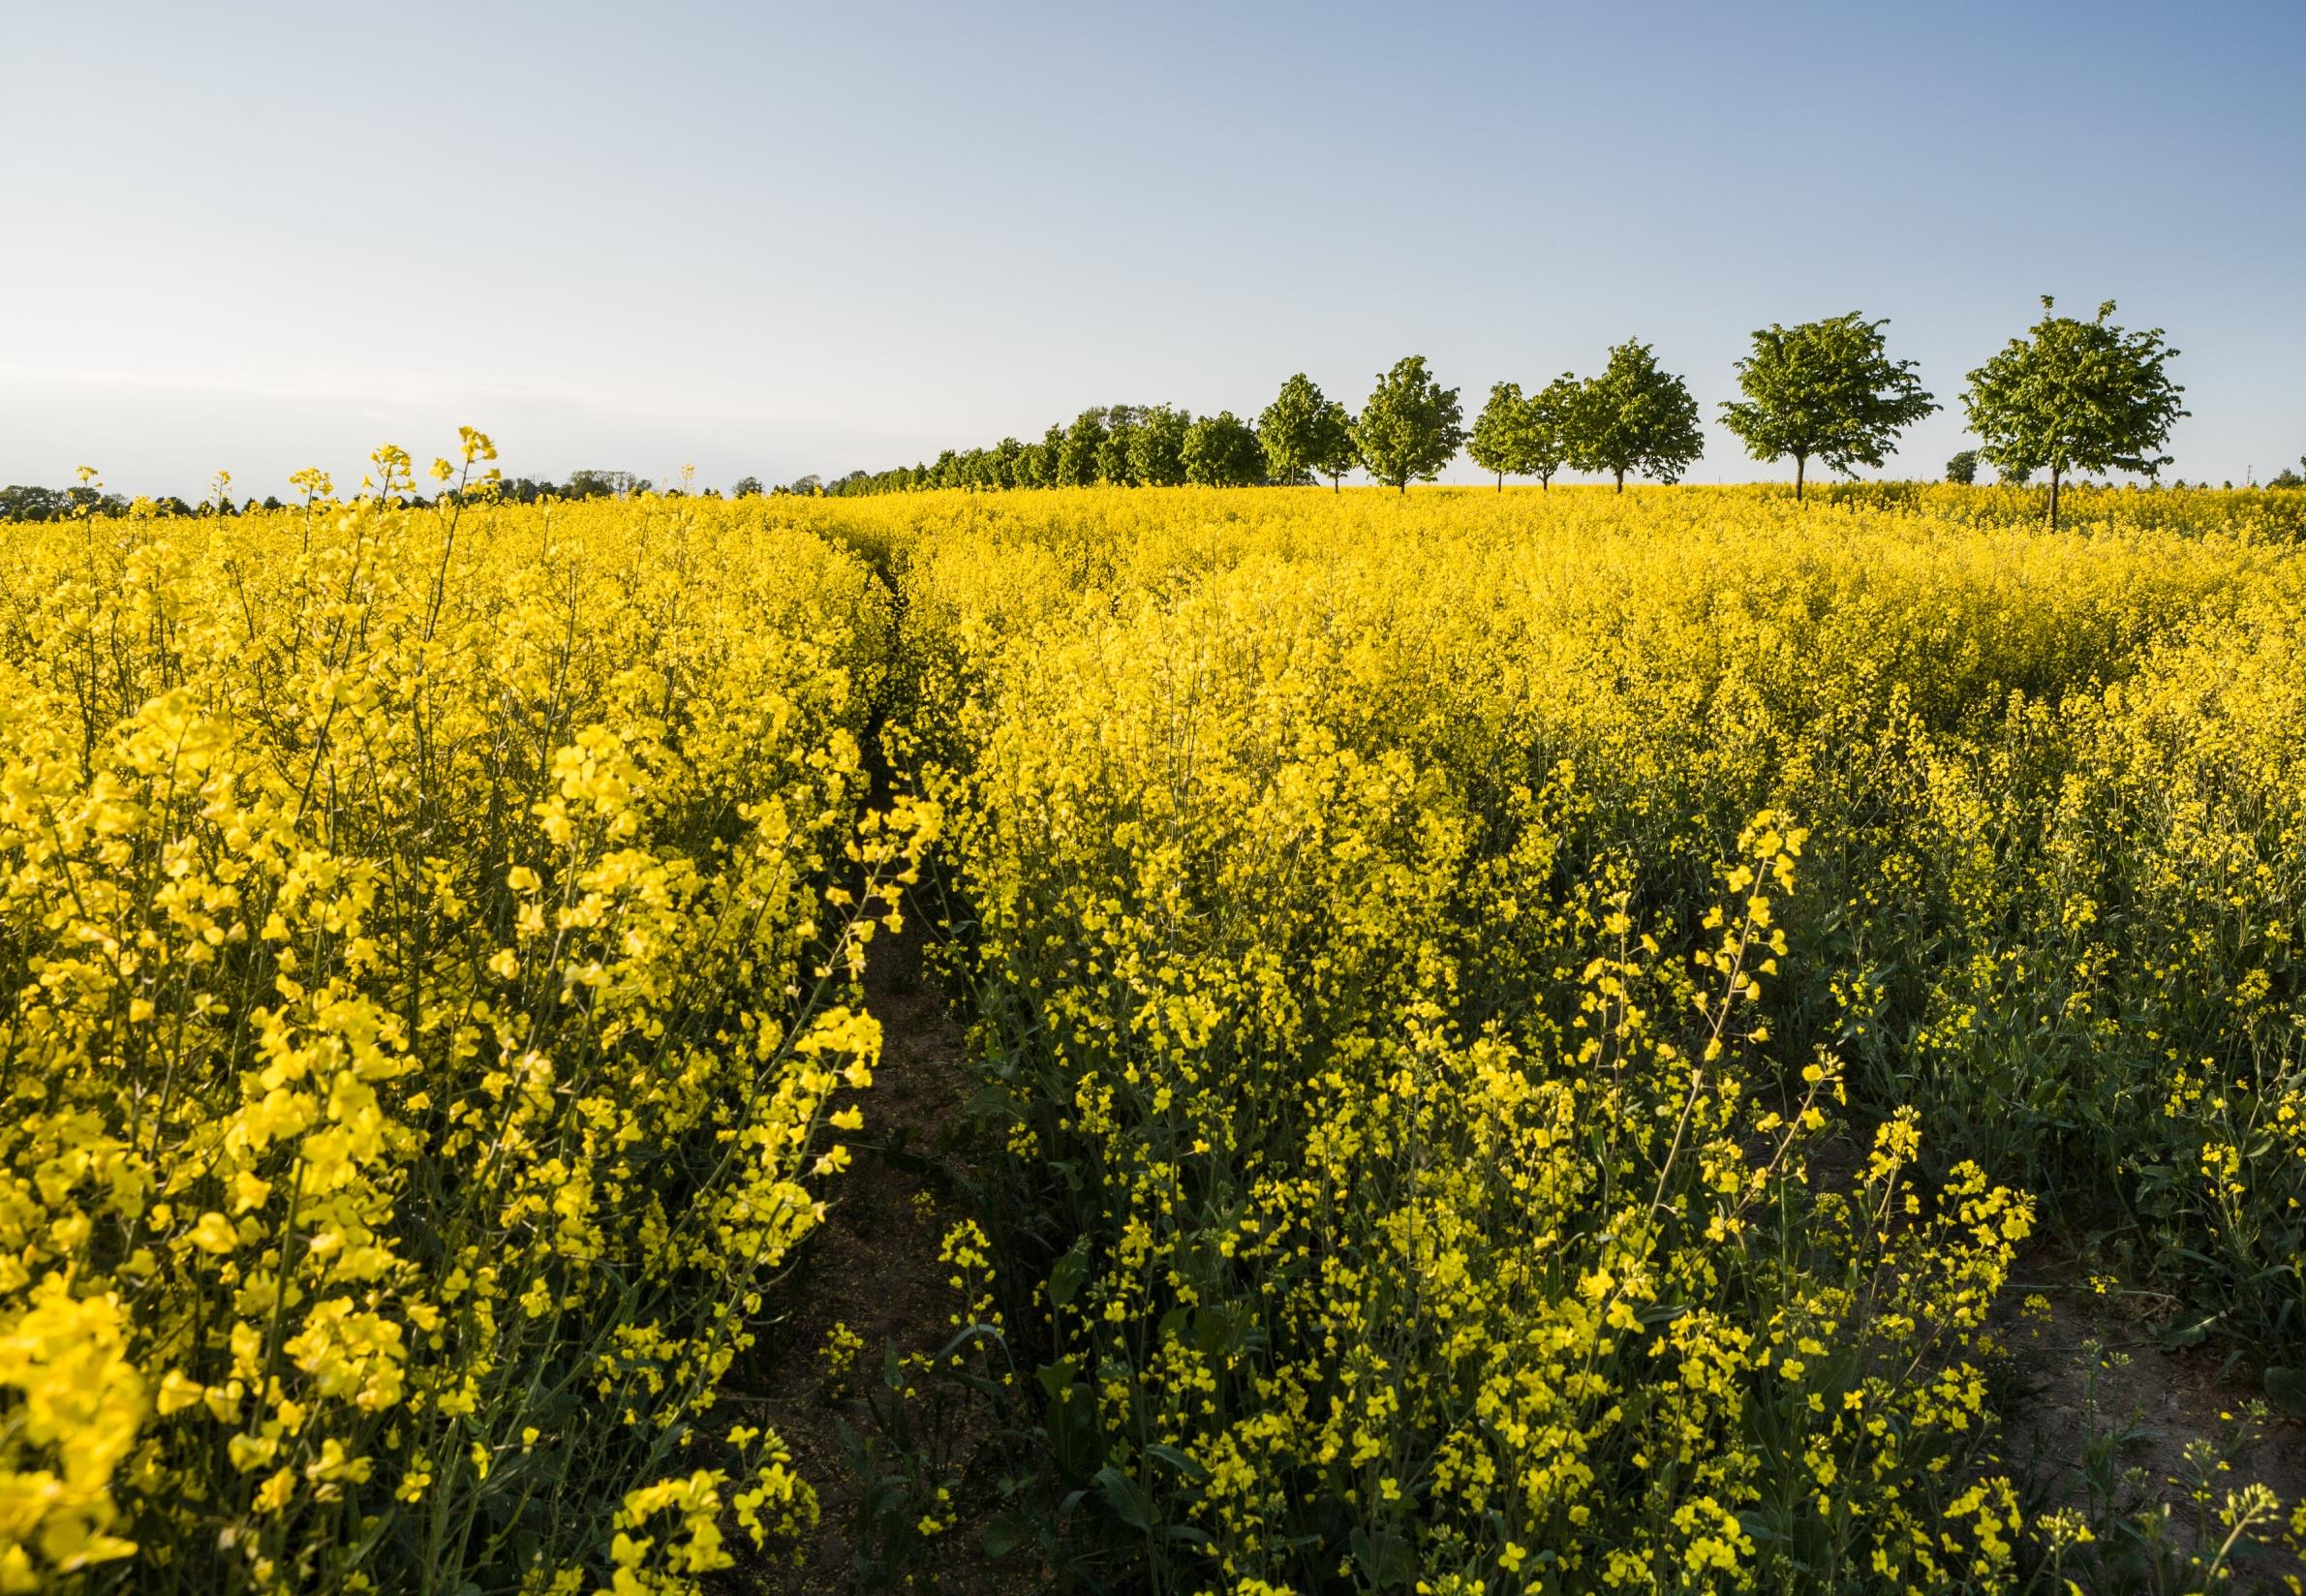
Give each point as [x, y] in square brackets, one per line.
[1134, 445]
[2069, 399]
[34, 504]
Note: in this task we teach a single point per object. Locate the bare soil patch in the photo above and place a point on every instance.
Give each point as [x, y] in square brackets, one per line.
[2105, 1398]
[873, 1267]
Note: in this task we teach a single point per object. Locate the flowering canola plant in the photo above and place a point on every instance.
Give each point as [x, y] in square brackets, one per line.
[1530, 1028]
[432, 936]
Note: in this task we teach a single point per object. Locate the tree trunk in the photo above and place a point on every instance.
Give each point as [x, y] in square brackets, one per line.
[1501, 481]
[2053, 498]
[1621, 479]
[1798, 462]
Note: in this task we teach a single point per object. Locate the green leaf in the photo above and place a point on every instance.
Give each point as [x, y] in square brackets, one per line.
[1385, 1558]
[1004, 1535]
[2186, 1332]
[1193, 1472]
[1066, 1274]
[1128, 1500]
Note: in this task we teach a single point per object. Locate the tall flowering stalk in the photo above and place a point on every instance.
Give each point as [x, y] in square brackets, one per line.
[434, 938]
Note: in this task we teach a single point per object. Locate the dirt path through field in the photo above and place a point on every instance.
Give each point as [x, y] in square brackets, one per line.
[872, 1268]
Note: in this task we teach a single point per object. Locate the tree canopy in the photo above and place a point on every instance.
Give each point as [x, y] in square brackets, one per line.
[2075, 396]
[1290, 430]
[1496, 442]
[1304, 435]
[1410, 426]
[1333, 451]
[1113, 451]
[1552, 412]
[1222, 451]
[1826, 390]
[1076, 464]
[1524, 436]
[1158, 447]
[1635, 416]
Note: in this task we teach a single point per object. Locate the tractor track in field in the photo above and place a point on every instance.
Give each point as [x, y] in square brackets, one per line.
[873, 1267]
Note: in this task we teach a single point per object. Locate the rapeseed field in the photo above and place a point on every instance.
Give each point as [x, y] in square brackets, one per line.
[1531, 1041]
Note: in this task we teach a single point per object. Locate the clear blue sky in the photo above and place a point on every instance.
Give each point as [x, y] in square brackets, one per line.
[774, 239]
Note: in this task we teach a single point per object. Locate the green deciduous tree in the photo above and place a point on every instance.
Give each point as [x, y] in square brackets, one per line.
[1552, 412]
[1409, 428]
[1962, 468]
[1334, 453]
[1633, 417]
[1222, 451]
[1827, 390]
[24, 503]
[2075, 396]
[1292, 430]
[1113, 451]
[1518, 436]
[1077, 451]
[1032, 465]
[1157, 446]
[603, 484]
[1496, 442]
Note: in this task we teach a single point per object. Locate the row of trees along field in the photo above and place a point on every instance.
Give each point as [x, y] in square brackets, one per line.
[2071, 396]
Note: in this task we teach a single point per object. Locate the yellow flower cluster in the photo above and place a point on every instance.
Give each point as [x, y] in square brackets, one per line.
[1446, 960]
[431, 937]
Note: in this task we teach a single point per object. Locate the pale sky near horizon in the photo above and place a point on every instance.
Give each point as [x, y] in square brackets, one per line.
[777, 239]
